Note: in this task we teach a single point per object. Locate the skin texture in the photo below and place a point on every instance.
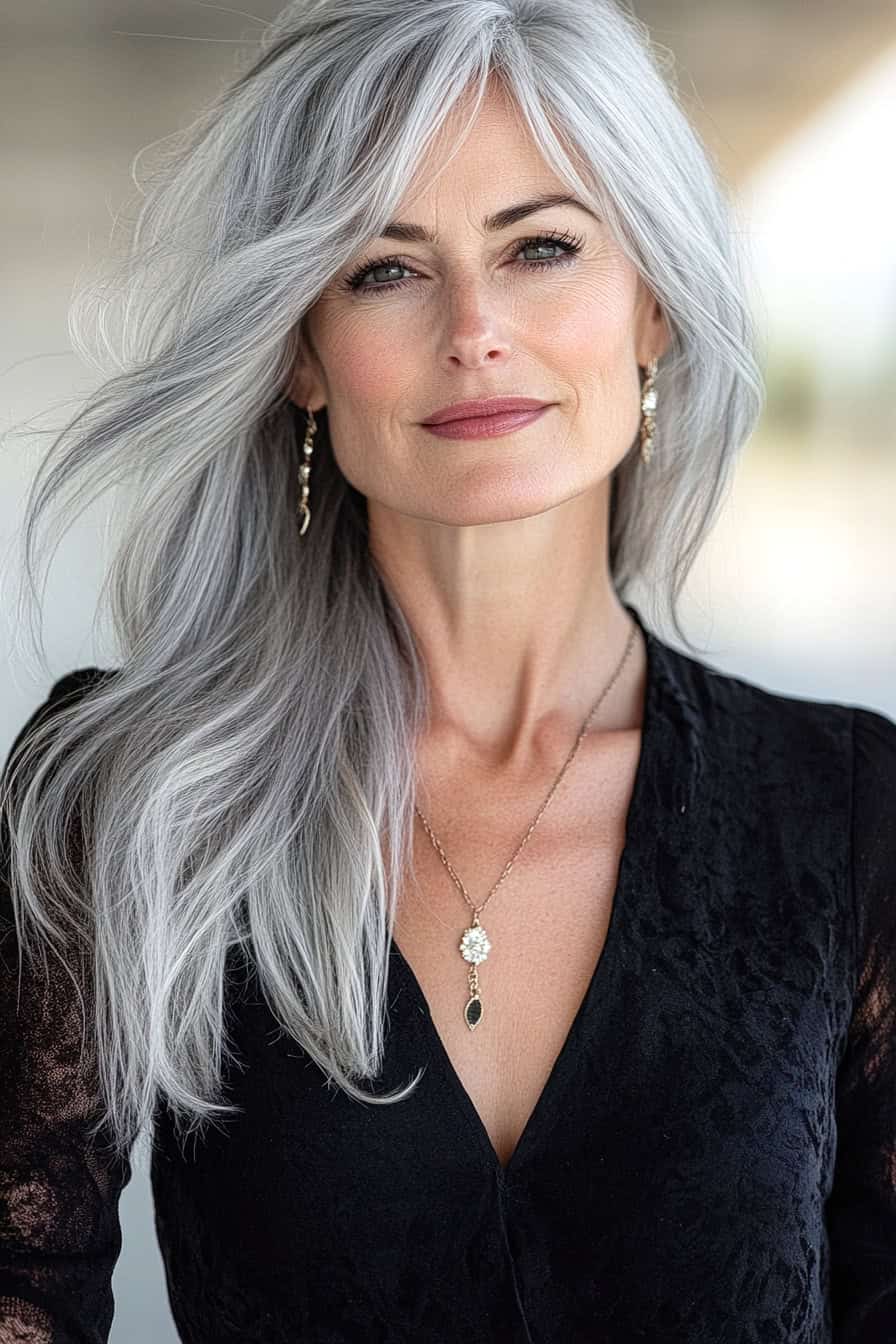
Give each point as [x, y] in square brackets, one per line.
[498, 551]
[497, 547]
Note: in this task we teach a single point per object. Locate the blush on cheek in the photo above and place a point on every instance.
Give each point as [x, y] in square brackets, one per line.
[600, 324]
[369, 374]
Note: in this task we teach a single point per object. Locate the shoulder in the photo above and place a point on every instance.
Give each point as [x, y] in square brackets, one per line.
[740, 713]
[874, 745]
[74, 684]
[832, 756]
[874, 798]
[67, 690]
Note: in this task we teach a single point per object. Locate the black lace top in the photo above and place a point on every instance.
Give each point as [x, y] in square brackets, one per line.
[712, 1159]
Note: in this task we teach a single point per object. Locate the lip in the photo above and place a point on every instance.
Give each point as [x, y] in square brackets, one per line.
[475, 410]
[487, 426]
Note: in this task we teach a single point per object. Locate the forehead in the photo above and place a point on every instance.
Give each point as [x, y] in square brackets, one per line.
[495, 164]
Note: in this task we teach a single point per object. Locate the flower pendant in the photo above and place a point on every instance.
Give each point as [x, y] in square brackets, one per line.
[474, 948]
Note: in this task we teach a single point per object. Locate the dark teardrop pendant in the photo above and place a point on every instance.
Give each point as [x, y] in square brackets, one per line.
[473, 1012]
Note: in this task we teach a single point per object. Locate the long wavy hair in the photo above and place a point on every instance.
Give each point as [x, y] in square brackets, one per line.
[235, 778]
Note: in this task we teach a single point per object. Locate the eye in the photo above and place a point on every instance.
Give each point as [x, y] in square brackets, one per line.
[569, 243]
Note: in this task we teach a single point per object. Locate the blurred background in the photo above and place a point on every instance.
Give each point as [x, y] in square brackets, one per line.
[796, 588]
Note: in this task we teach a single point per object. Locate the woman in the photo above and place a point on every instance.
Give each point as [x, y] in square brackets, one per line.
[640, 1087]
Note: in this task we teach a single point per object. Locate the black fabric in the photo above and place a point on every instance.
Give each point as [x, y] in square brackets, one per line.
[713, 1159]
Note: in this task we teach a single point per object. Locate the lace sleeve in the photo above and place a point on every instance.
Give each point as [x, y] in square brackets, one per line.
[59, 1231]
[862, 1206]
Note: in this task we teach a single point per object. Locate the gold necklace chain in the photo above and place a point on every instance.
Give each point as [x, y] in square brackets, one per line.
[475, 946]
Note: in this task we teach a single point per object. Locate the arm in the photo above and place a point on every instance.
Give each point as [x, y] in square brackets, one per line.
[59, 1231]
[862, 1208]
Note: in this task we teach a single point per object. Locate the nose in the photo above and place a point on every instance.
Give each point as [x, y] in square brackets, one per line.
[474, 328]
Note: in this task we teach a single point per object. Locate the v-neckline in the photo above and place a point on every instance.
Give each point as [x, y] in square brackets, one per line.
[634, 823]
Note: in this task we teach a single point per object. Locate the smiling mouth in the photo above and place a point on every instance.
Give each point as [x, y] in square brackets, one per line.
[486, 426]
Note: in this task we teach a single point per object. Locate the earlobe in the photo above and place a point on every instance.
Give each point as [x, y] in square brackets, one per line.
[663, 336]
[653, 335]
[657, 338]
[304, 386]
[294, 390]
[300, 390]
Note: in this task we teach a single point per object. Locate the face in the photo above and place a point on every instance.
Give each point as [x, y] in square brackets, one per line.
[546, 307]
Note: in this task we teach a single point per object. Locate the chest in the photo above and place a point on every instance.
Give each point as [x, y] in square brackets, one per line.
[547, 923]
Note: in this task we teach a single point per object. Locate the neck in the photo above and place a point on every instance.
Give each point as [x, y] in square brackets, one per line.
[519, 626]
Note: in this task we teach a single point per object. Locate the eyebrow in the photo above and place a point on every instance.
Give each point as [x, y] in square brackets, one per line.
[416, 233]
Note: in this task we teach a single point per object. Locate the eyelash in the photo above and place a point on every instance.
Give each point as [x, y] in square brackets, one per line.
[571, 243]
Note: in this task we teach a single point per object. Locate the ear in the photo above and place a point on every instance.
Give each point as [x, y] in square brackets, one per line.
[305, 386]
[653, 335]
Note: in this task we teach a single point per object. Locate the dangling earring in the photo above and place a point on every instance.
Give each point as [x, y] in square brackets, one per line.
[305, 470]
[648, 412]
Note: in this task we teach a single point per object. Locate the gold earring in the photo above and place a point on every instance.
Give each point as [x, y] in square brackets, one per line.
[648, 412]
[305, 470]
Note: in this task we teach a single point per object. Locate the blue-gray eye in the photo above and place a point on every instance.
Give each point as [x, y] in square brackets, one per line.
[571, 245]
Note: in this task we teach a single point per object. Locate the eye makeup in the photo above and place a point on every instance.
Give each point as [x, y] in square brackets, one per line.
[570, 243]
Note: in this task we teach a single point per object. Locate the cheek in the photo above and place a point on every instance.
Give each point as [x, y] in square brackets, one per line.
[591, 328]
[367, 364]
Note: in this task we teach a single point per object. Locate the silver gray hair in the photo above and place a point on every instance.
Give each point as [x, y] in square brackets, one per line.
[245, 778]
